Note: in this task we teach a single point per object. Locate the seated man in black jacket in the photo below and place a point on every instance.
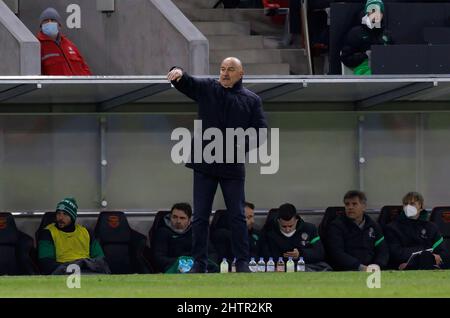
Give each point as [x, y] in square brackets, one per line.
[354, 240]
[355, 53]
[221, 238]
[411, 233]
[290, 236]
[172, 243]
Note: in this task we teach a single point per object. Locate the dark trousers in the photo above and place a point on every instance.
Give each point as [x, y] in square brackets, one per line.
[205, 187]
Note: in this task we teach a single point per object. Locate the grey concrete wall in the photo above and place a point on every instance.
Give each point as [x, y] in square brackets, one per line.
[45, 158]
[19, 49]
[136, 39]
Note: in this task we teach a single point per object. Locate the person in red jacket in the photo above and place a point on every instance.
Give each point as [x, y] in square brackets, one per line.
[59, 56]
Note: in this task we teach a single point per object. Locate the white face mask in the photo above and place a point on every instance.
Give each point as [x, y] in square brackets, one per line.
[366, 21]
[410, 211]
[288, 234]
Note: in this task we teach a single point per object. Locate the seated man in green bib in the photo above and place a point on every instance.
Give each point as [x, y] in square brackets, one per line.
[64, 242]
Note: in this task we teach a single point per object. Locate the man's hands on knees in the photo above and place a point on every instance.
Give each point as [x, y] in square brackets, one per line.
[175, 75]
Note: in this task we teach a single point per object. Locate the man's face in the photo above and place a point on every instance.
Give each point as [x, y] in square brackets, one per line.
[415, 204]
[287, 226]
[179, 220]
[62, 220]
[375, 16]
[250, 217]
[230, 72]
[354, 209]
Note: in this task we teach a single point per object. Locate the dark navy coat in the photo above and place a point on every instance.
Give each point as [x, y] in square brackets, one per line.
[222, 108]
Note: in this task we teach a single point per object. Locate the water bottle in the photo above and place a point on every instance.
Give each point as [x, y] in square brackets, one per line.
[261, 265]
[280, 265]
[224, 266]
[290, 267]
[300, 265]
[270, 265]
[185, 265]
[233, 266]
[252, 265]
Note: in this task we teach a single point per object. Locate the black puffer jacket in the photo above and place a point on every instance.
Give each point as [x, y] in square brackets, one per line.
[349, 246]
[406, 236]
[222, 108]
[359, 40]
[305, 239]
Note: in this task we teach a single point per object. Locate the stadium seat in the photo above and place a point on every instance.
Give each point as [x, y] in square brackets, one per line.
[156, 224]
[16, 248]
[47, 218]
[220, 221]
[441, 217]
[151, 233]
[388, 214]
[220, 234]
[123, 246]
[271, 216]
[330, 214]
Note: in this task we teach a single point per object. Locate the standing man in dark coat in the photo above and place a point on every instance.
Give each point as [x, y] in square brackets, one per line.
[222, 104]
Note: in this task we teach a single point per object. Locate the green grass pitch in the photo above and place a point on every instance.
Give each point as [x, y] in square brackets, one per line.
[265, 285]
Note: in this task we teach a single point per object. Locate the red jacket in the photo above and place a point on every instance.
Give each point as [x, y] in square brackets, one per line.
[62, 59]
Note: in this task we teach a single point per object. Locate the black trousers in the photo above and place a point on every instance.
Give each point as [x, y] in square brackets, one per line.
[205, 187]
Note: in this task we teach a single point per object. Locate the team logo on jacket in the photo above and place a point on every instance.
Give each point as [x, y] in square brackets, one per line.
[71, 50]
[371, 232]
[304, 237]
[423, 233]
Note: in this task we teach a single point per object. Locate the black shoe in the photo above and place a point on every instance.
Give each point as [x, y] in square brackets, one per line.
[242, 268]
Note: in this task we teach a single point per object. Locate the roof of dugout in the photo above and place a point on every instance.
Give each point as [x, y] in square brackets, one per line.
[294, 93]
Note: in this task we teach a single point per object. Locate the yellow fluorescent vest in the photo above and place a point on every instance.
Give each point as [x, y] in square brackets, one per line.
[70, 246]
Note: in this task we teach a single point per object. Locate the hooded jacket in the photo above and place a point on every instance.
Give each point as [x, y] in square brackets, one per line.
[222, 108]
[61, 57]
[406, 236]
[349, 246]
[168, 245]
[306, 239]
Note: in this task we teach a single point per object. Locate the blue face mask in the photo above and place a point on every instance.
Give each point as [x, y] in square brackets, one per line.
[50, 29]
